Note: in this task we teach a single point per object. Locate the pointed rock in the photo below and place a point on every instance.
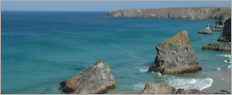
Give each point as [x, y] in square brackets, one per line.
[95, 79]
[206, 30]
[175, 56]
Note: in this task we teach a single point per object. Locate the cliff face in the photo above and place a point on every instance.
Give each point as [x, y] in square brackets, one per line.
[193, 13]
[226, 34]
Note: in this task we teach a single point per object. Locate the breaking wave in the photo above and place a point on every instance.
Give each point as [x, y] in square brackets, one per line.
[225, 55]
[188, 83]
[142, 68]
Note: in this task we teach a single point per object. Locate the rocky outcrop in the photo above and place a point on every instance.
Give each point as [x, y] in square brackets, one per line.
[207, 30]
[220, 30]
[190, 91]
[217, 47]
[213, 30]
[95, 79]
[175, 56]
[150, 88]
[226, 34]
[191, 13]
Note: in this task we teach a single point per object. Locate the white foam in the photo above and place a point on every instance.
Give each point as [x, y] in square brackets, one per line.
[222, 79]
[142, 68]
[159, 73]
[229, 66]
[138, 87]
[225, 55]
[188, 83]
[227, 61]
[218, 68]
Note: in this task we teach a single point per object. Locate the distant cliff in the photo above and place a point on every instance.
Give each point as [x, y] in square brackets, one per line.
[191, 13]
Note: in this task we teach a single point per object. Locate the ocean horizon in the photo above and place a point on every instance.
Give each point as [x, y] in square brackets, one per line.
[40, 49]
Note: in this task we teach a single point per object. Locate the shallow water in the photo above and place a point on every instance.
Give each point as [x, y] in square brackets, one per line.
[41, 49]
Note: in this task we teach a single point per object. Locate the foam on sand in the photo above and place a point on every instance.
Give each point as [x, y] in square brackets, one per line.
[229, 66]
[218, 68]
[188, 83]
[137, 87]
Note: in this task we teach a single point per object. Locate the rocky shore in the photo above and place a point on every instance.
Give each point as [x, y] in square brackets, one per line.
[189, 13]
[150, 88]
[175, 56]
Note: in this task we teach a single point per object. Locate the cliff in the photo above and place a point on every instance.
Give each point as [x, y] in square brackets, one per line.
[191, 13]
[226, 34]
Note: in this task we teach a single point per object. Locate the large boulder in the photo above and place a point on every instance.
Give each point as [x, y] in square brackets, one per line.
[226, 34]
[190, 91]
[95, 79]
[150, 88]
[206, 30]
[175, 56]
[217, 47]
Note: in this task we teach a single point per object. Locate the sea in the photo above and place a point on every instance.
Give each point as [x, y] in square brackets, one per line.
[40, 49]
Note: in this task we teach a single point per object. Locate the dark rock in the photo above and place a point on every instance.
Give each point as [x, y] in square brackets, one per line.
[206, 30]
[220, 30]
[190, 13]
[150, 88]
[190, 91]
[220, 22]
[175, 56]
[212, 26]
[213, 30]
[95, 79]
[226, 34]
[218, 47]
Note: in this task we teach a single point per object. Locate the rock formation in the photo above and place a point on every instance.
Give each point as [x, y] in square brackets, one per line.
[190, 13]
[213, 30]
[95, 79]
[226, 34]
[217, 47]
[206, 30]
[175, 56]
[189, 91]
[150, 88]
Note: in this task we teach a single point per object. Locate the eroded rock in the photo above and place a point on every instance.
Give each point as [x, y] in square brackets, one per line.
[207, 30]
[217, 47]
[95, 79]
[150, 88]
[175, 56]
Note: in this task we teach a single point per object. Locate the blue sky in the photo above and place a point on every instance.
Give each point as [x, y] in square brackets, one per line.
[102, 5]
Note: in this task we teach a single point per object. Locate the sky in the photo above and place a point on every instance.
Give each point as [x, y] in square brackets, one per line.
[102, 5]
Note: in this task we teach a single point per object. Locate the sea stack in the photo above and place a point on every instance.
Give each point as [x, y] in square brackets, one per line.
[206, 30]
[175, 56]
[226, 34]
[95, 79]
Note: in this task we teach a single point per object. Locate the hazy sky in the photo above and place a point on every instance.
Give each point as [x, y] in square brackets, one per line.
[102, 5]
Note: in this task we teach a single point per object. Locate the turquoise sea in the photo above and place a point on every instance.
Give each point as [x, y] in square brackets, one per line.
[40, 49]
